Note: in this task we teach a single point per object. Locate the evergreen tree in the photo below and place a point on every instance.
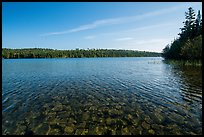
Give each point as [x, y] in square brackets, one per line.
[189, 45]
[189, 25]
[198, 24]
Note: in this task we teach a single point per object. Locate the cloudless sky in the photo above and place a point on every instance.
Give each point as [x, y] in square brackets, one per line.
[144, 26]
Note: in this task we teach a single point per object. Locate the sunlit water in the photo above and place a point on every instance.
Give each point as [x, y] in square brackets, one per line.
[100, 96]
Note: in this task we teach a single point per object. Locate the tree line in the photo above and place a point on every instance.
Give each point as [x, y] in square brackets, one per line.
[77, 53]
[188, 46]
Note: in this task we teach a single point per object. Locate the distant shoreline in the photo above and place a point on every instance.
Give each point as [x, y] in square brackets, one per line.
[83, 57]
[77, 53]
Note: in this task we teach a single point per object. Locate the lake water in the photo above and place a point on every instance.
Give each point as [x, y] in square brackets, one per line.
[139, 95]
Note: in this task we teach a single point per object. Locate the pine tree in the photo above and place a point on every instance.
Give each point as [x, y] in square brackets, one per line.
[198, 24]
[189, 24]
[189, 45]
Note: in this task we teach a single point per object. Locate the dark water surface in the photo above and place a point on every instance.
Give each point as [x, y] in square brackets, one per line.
[100, 96]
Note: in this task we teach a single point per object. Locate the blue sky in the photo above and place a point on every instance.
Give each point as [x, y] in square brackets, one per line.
[144, 26]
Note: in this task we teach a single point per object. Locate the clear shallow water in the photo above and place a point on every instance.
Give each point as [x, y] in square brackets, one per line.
[100, 96]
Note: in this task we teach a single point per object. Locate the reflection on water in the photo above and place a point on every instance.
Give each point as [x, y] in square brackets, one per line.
[119, 96]
[190, 87]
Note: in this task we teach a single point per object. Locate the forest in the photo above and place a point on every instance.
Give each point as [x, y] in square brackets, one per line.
[188, 46]
[77, 53]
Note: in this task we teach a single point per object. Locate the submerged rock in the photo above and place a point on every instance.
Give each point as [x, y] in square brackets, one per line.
[99, 130]
[135, 122]
[71, 121]
[94, 119]
[85, 116]
[139, 130]
[55, 132]
[157, 127]
[130, 117]
[157, 118]
[63, 114]
[20, 130]
[176, 132]
[138, 113]
[84, 132]
[118, 107]
[145, 125]
[82, 125]
[58, 108]
[28, 132]
[110, 121]
[78, 131]
[92, 108]
[42, 129]
[69, 130]
[114, 112]
[177, 118]
[108, 131]
[91, 130]
[148, 119]
[132, 130]
[120, 123]
[125, 131]
[171, 126]
[102, 121]
[151, 131]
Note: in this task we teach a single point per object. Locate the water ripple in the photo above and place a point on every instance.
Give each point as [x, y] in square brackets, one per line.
[109, 95]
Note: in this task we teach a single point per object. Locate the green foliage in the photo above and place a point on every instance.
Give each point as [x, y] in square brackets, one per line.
[195, 63]
[192, 49]
[189, 45]
[78, 53]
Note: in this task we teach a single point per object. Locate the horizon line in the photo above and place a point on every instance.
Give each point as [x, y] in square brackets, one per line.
[85, 49]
